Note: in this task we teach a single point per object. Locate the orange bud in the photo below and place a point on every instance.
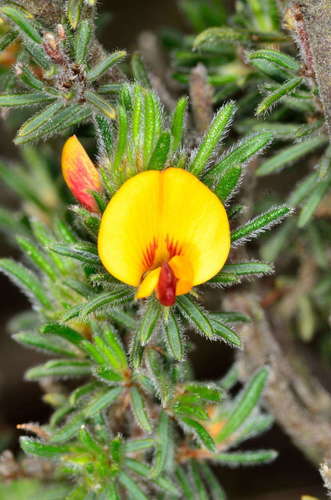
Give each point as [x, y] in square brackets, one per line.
[80, 174]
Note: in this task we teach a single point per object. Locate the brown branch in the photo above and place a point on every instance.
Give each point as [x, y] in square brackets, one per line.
[295, 398]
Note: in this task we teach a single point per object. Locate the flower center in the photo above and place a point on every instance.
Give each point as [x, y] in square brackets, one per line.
[166, 287]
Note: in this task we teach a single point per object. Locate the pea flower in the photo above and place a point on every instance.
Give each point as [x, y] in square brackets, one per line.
[164, 232]
[80, 174]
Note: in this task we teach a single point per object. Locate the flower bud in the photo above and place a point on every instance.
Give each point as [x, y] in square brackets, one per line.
[80, 174]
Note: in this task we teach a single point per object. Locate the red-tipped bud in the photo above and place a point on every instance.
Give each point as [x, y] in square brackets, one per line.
[80, 174]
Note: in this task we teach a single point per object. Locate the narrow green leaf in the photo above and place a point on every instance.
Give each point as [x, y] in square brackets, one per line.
[226, 333]
[312, 201]
[149, 321]
[139, 70]
[32, 339]
[99, 403]
[245, 404]
[207, 392]
[122, 319]
[139, 410]
[69, 429]
[6, 39]
[74, 9]
[26, 99]
[228, 182]
[259, 224]
[212, 137]
[214, 486]
[274, 97]
[122, 138]
[150, 119]
[131, 487]
[246, 457]
[22, 21]
[100, 104]
[161, 151]
[137, 445]
[26, 280]
[82, 391]
[104, 299]
[37, 257]
[30, 79]
[59, 368]
[290, 155]
[37, 53]
[71, 115]
[82, 41]
[174, 339]
[194, 314]
[178, 123]
[77, 252]
[199, 487]
[250, 268]
[162, 445]
[64, 332]
[184, 481]
[277, 57]
[162, 482]
[34, 447]
[103, 66]
[213, 37]
[243, 151]
[200, 432]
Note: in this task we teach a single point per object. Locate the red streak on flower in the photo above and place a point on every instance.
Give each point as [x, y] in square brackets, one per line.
[166, 287]
[149, 254]
[173, 248]
[82, 182]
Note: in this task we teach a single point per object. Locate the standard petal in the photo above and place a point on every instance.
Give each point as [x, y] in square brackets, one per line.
[129, 228]
[192, 215]
[80, 174]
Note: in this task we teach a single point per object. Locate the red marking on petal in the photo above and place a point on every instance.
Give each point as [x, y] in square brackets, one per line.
[166, 287]
[149, 254]
[173, 248]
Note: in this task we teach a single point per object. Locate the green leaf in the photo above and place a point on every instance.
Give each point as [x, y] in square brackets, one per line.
[161, 151]
[38, 120]
[246, 457]
[101, 402]
[59, 368]
[6, 39]
[312, 201]
[213, 37]
[259, 224]
[194, 314]
[228, 182]
[173, 334]
[184, 481]
[71, 115]
[37, 257]
[131, 487]
[36, 341]
[290, 155]
[139, 70]
[137, 445]
[226, 333]
[250, 268]
[139, 410]
[103, 66]
[212, 137]
[207, 392]
[274, 97]
[275, 56]
[22, 21]
[82, 41]
[34, 447]
[29, 78]
[26, 99]
[149, 321]
[26, 280]
[74, 9]
[245, 404]
[178, 123]
[82, 391]
[163, 444]
[214, 486]
[37, 53]
[243, 151]
[100, 104]
[119, 359]
[77, 252]
[122, 138]
[199, 487]
[162, 482]
[104, 299]
[200, 432]
[64, 332]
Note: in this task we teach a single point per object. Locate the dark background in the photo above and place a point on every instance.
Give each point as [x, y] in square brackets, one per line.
[286, 479]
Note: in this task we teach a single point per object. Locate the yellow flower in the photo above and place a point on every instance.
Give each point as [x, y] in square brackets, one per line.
[164, 231]
[80, 174]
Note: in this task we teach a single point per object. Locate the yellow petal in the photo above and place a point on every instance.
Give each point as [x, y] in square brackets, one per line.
[183, 271]
[156, 215]
[148, 284]
[80, 174]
